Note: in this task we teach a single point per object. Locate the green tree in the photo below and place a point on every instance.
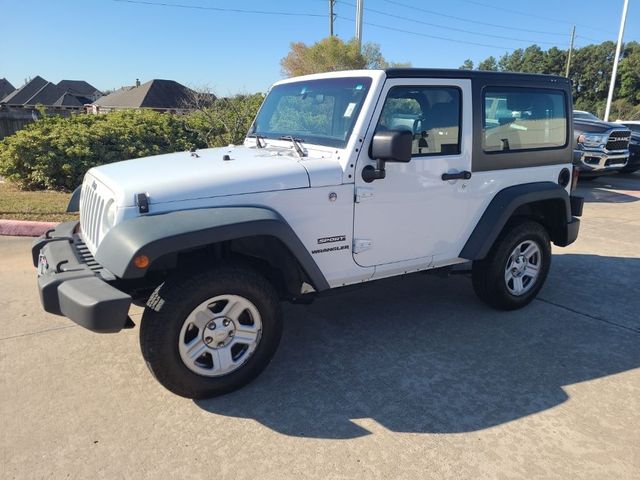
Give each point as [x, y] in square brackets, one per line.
[590, 74]
[555, 61]
[533, 60]
[466, 65]
[333, 54]
[629, 71]
[511, 62]
[489, 64]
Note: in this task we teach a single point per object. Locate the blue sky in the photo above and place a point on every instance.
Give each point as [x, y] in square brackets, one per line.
[110, 43]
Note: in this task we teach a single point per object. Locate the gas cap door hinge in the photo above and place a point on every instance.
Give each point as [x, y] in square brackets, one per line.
[361, 244]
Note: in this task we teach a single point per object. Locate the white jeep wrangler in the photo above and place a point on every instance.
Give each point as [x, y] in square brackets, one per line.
[344, 178]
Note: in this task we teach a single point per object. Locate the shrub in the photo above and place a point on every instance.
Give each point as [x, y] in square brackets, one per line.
[226, 121]
[55, 152]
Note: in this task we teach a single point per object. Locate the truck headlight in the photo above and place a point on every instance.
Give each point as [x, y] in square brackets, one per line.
[109, 217]
[593, 139]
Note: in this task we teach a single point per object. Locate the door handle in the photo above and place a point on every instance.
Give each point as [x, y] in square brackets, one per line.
[463, 175]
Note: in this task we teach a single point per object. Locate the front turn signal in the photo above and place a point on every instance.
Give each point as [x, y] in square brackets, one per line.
[141, 261]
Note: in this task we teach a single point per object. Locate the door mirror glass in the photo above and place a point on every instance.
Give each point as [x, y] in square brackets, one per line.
[392, 146]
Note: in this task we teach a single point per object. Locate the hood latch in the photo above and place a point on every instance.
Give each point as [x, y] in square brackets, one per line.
[142, 200]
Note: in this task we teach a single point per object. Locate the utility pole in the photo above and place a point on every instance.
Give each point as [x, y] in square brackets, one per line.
[573, 36]
[331, 17]
[612, 84]
[359, 9]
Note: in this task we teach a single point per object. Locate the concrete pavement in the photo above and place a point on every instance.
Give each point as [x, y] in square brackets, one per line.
[405, 378]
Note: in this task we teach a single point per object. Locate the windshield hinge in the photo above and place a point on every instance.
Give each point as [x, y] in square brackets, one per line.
[363, 193]
[361, 244]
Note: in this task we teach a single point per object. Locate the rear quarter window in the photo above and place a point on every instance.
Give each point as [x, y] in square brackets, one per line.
[517, 119]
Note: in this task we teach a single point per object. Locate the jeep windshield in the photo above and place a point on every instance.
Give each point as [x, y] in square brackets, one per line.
[321, 112]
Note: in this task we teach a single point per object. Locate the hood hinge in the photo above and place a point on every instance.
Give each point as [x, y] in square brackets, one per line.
[363, 193]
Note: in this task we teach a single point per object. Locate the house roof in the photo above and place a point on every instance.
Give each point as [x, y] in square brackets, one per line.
[47, 95]
[5, 88]
[69, 100]
[152, 94]
[78, 87]
[38, 91]
[25, 92]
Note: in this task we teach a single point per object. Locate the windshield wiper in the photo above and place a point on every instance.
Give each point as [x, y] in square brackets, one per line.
[260, 141]
[296, 144]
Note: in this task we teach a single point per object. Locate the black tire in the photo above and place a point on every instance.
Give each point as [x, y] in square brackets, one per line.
[173, 301]
[629, 169]
[488, 275]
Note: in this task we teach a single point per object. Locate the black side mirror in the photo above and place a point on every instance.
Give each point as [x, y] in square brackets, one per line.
[388, 146]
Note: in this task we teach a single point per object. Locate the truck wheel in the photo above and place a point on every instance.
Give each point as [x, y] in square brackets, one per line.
[516, 267]
[208, 333]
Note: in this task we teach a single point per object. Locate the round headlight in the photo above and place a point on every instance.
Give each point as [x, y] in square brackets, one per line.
[109, 217]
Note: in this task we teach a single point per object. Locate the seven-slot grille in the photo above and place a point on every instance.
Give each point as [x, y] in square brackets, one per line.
[619, 140]
[91, 211]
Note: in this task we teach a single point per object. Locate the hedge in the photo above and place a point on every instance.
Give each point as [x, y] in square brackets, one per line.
[55, 152]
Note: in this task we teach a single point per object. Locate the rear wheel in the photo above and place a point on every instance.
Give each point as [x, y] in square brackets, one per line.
[516, 267]
[208, 333]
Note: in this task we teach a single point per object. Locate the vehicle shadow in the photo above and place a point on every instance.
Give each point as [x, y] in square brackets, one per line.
[422, 354]
[618, 188]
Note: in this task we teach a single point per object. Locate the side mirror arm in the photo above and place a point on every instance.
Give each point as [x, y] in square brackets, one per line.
[371, 173]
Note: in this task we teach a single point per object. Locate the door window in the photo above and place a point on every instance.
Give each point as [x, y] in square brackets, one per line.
[431, 114]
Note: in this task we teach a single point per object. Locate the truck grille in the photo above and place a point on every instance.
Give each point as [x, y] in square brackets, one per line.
[93, 198]
[619, 140]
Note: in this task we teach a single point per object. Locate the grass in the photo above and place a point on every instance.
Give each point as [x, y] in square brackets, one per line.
[43, 206]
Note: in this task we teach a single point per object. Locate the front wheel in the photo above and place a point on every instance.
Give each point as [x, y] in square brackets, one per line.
[516, 267]
[208, 333]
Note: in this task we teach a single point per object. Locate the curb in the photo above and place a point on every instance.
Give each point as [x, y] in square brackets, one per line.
[24, 228]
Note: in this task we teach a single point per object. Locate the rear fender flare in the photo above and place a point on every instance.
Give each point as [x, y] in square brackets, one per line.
[503, 206]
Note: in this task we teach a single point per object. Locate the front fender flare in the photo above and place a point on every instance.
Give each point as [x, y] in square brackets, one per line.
[165, 233]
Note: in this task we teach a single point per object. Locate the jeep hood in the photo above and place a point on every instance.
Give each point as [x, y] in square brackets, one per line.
[213, 172]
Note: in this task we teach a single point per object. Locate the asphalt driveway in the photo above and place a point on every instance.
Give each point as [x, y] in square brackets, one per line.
[406, 378]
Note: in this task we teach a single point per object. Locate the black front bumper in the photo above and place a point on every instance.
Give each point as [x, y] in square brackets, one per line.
[74, 285]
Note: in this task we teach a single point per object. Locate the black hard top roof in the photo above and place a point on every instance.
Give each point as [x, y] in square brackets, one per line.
[472, 74]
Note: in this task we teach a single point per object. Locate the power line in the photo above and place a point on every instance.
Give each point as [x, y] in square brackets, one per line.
[400, 17]
[592, 39]
[220, 9]
[478, 22]
[541, 17]
[420, 34]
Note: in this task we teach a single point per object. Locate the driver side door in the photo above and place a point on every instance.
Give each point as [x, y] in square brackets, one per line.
[413, 215]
